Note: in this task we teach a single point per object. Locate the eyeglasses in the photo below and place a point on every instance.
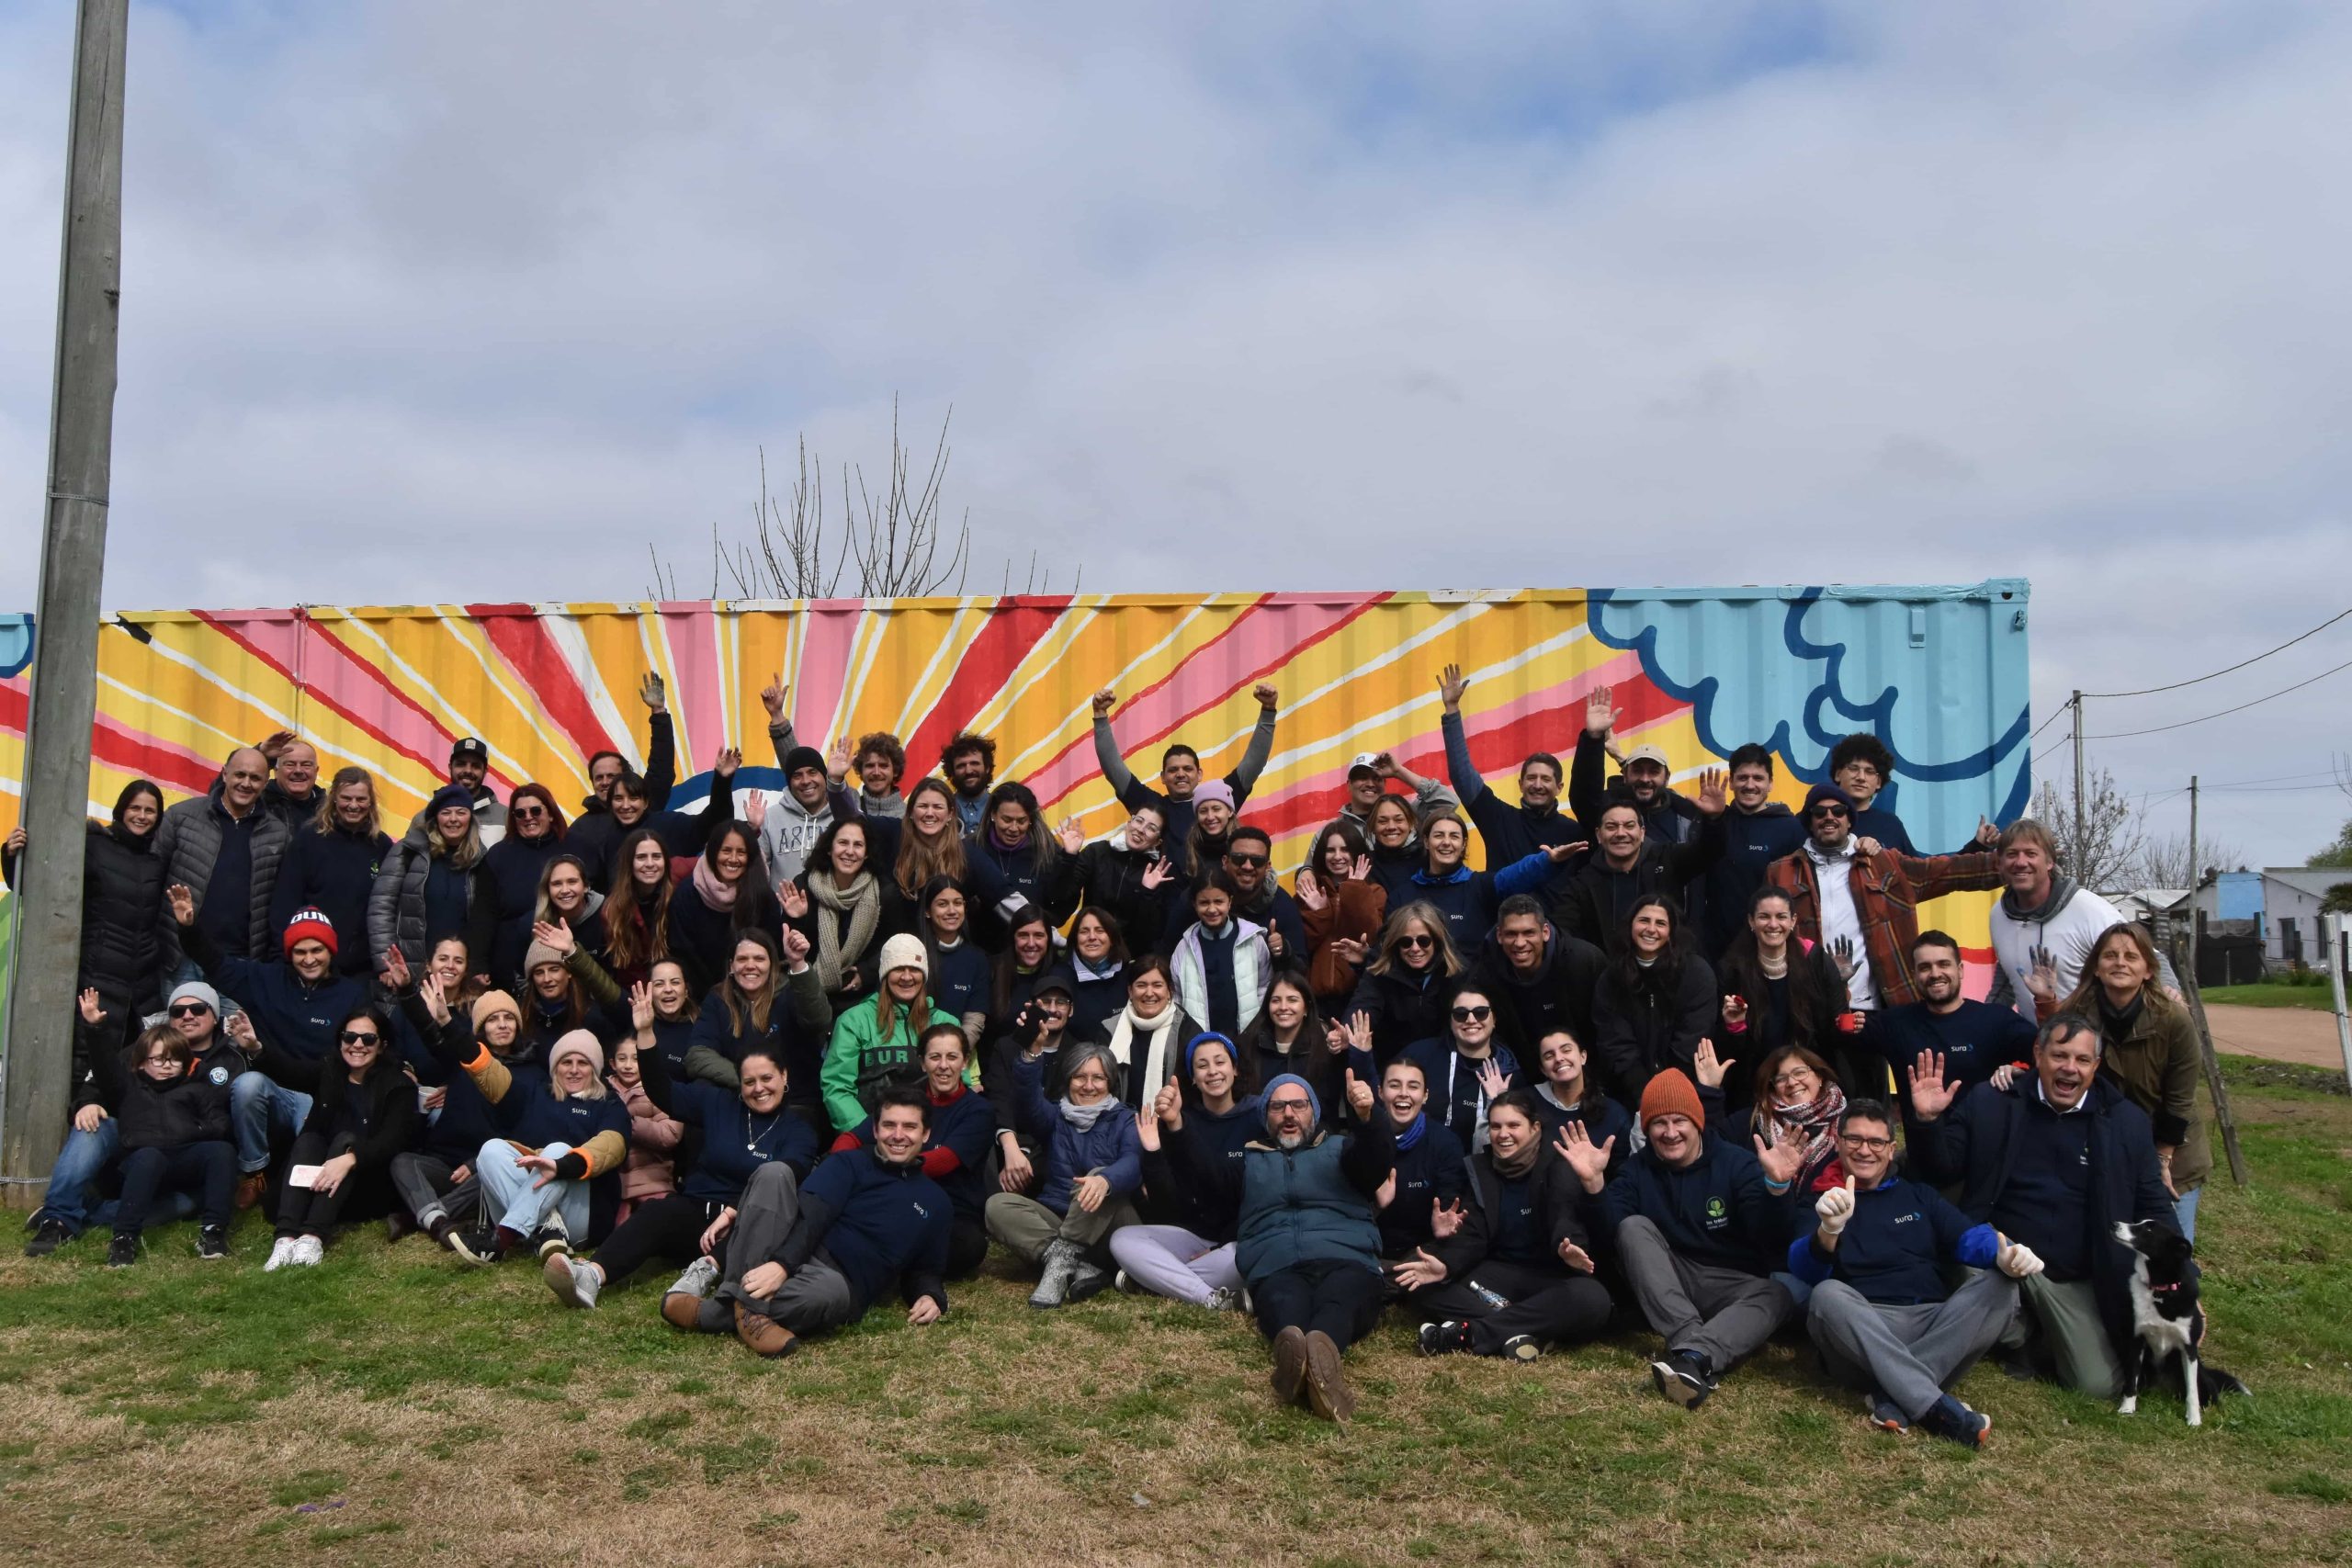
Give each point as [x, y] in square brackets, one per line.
[164, 1058]
[1417, 942]
[188, 1009]
[353, 1037]
[1245, 862]
[1855, 1141]
[1796, 1077]
[1286, 1105]
[1473, 1015]
[1821, 811]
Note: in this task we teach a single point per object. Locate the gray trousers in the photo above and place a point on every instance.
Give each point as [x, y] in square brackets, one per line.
[1907, 1354]
[814, 1297]
[424, 1184]
[2066, 1312]
[1721, 1313]
[1025, 1227]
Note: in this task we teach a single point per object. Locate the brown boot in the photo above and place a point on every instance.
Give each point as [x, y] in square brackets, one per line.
[1328, 1393]
[250, 1188]
[680, 1309]
[1290, 1364]
[761, 1332]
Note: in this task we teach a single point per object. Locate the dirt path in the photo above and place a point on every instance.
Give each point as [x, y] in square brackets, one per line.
[2283, 1035]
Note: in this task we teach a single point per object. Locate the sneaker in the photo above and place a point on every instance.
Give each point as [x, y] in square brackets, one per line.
[1955, 1422]
[1088, 1281]
[478, 1247]
[1444, 1339]
[1884, 1416]
[308, 1252]
[1225, 1298]
[552, 1238]
[48, 1237]
[212, 1241]
[1125, 1283]
[574, 1283]
[122, 1251]
[281, 1254]
[1685, 1378]
[683, 1302]
[1523, 1347]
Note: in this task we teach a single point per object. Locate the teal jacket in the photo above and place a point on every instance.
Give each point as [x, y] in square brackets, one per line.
[1312, 1203]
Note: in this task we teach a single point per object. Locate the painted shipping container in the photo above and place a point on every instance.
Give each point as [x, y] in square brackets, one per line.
[1939, 673]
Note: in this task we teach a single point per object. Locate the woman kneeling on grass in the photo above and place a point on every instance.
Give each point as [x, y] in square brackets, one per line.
[174, 1134]
[559, 1139]
[1193, 1135]
[742, 1130]
[1093, 1166]
[363, 1112]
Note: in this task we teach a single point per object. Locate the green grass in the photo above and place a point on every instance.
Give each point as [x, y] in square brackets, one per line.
[2272, 994]
[392, 1406]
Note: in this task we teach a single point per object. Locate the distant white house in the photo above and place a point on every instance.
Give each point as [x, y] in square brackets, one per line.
[2282, 902]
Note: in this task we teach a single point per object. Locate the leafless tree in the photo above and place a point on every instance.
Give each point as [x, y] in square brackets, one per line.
[2163, 860]
[803, 544]
[2109, 855]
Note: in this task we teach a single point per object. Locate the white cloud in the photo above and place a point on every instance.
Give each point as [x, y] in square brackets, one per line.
[1300, 296]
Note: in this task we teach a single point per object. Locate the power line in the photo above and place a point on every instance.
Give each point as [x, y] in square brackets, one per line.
[2063, 709]
[2184, 724]
[2177, 686]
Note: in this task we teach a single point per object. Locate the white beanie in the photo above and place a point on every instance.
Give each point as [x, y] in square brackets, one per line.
[904, 951]
[579, 1042]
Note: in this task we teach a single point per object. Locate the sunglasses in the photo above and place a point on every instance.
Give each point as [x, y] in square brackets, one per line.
[526, 813]
[1246, 861]
[188, 1009]
[353, 1037]
[1472, 1015]
[1417, 942]
[1819, 812]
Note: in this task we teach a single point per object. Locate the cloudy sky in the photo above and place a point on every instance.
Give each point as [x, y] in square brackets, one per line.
[429, 301]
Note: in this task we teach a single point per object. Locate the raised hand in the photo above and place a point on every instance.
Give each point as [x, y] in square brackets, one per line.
[1446, 1222]
[1104, 701]
[1310, 891]
[183, 903]
[1931, 1095]
[2042, 980]
[239, 1027]
[92, 1013]
[1450, 684]
[1384, 765]
[1711, 1068]
[1574, 1256]
[1360, 869]
[1351, 949]
[1601, 714]
[755, 808]
[1735, 1013]
[1588, 1159]
[1714, 792]
[795, 899]
[1841, 953]
[837, 759]
[1493, 1082]
[772, 694]
[796, 948]
[1335, 1038]
[1358, 1096]
[1169, 1106]
[1072, 836]
[274, 744]
[1781, 1162]
[723, 765]
[1835, 1207]
[435, 998]
[1268, 698]
[653, 693]
[1360, 1030]
[1418, 1270]
[1147, 1128]
[396, 976]
[1560, 855]
[2015, 1259]
[1988, 835]
[1158, 873]
[640, 1006]
[554, 935]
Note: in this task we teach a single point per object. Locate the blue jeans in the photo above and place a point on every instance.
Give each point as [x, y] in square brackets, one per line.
[508, 1198]
[2184, 1209]
[258, 1106]
[73, 1182]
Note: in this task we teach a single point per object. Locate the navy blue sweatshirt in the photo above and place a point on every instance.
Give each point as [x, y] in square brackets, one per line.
[735, 1142]
[1607, 1120]
[1198, 1168]
[960, 980]
[962, 1130]
[1455, 1097]
[878, 1223]
[332, 872]
[1429, 1170]
[1895, 1245]
[1751, 843]
[1468, 898]
[1974, 1038]
[467, 1120]
[514, 866]
[297, 1017]
[1716, 1210]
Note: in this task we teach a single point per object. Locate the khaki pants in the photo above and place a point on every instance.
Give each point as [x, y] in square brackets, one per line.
[1025, 1226]
[2067, 1312]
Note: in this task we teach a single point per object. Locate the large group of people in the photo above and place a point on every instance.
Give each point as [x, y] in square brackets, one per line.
[1677, 1057]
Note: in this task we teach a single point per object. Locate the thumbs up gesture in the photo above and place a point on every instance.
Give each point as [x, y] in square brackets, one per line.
[1836, 1207]
[1358, 1096]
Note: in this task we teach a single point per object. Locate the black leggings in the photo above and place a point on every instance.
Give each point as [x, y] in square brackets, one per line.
[668, 1227]
[967, 1248]
[1549, 1305]
[301, 1212]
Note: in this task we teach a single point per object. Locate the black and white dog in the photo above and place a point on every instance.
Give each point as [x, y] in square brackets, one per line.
[2169, 1320]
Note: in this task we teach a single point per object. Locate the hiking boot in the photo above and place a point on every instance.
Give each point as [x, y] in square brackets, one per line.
[1290, 1364]
[397, 1223]
[212, 1241]
[764, 1333]
[1328, 1393]
[1089, 1280]
[1950, 1419]
[1444, 1339]
[1523, 1347]
[1684, 1377]
[574, 1283]
[1062, 1258]
[48, 1237]
[250, 1187]
[122, 1251]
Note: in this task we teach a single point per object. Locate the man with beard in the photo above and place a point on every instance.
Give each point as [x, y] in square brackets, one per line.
[1247, 874]
[1179, 765]
[1539, 979]
[790, 824]
[805, 1259]
[1368, 776]
[468, 766]
[1667, 818]
[1972, 1037]
[1309, 1244]
[969, 763]
[1626, 866]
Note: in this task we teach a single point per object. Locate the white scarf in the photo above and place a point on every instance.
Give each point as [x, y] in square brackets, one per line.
[1124, 1027]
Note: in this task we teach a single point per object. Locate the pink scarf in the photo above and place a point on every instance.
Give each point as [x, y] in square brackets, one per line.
[719, 895]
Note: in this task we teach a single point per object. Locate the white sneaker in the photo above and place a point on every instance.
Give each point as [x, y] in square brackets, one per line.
[308, 1252]
[281, 1253]
[699, 1280]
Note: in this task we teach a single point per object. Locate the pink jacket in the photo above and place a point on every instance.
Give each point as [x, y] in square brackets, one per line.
[651, 1136]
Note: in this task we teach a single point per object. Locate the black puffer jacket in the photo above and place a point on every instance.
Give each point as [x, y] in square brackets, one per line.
[1652, 1025]
[193, 1108]
[122, 887]
[390, 1097]
[396, 907]
[187, 845]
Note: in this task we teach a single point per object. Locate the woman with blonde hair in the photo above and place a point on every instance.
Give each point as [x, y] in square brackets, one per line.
[2150, 1054]
[331, 866]
[1405, 990]
[433, 885]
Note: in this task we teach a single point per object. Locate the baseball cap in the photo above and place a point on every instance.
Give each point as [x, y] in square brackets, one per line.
[1362, 763]
[469, 746]
[1648, 755]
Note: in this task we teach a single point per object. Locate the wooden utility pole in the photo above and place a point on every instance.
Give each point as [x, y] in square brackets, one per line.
[39, 1040]
[2081, 868]
[2213, 1084]
[2194, 878]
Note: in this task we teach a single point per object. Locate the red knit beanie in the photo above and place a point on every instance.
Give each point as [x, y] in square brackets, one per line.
[1671, 1094]
[310, 925]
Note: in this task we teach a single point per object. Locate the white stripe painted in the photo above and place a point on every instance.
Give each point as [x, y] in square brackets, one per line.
[909, 720]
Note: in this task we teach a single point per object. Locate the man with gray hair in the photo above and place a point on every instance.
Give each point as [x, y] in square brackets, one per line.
[1309, 1241]
[2053, 1161]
